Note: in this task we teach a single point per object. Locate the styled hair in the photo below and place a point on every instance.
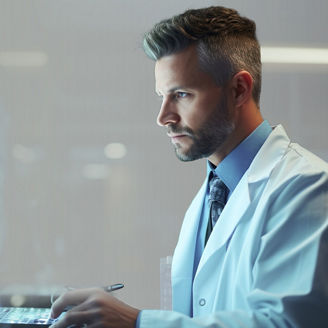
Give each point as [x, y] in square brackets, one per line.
[225, 41]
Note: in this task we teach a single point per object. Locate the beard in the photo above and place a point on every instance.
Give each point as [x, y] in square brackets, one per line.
[208, 138]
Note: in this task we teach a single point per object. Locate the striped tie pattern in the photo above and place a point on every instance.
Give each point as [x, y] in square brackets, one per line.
[216, 201]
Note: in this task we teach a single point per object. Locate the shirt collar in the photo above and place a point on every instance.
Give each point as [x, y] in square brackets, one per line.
[235, 164]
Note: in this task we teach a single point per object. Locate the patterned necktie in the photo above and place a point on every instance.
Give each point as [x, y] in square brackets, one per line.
[216, 201]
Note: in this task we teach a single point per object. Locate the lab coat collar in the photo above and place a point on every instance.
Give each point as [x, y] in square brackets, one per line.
[271, 152]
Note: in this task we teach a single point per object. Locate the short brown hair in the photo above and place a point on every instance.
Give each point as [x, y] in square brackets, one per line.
[226, 42]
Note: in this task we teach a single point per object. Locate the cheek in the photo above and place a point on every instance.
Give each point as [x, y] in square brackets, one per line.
[202, 112]
[194, 117]
[200, 109]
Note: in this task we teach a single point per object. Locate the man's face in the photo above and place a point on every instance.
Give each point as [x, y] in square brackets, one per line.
[194, 109]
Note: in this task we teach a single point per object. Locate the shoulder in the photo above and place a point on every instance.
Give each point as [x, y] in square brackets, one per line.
[300, 168]
[292, 179]
[280, 160]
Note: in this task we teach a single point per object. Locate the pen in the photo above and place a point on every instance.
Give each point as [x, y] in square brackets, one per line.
[112, 288]
[107, 289]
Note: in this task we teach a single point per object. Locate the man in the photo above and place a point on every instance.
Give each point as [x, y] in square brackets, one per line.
[253, 246]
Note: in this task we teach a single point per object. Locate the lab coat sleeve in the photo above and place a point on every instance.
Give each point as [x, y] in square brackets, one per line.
[171, 319]
[290, 286]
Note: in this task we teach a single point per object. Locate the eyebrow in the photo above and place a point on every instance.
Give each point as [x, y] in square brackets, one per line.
[172, 90]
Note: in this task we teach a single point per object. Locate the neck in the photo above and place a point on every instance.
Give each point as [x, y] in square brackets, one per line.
[247, 119]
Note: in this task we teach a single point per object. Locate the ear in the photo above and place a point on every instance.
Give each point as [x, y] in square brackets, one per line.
[242, 86]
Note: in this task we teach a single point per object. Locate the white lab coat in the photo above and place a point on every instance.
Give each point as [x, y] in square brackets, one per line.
[266, 262]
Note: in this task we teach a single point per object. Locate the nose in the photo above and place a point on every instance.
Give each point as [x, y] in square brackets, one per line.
[167, 114]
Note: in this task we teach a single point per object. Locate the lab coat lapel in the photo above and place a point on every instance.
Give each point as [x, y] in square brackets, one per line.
[229, 218]
[253, 182]
[183, 259]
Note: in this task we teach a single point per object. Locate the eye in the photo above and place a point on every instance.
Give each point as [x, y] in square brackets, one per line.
[181, 94]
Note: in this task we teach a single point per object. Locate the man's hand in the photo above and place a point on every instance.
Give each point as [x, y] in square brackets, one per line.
[95, 308]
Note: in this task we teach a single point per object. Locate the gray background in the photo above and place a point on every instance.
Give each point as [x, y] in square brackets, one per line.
[58, 227]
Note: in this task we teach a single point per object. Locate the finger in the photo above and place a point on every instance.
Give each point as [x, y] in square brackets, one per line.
[90, 312]
[71, 298]
[75, 319]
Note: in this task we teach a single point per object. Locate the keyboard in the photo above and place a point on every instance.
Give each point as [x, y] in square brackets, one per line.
[19, 315]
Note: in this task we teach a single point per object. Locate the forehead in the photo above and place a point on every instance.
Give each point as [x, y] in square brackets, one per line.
[181, 69]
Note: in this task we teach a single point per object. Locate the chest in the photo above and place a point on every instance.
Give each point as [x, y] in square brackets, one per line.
[226, 275]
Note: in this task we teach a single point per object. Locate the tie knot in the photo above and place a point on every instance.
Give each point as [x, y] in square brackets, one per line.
[218, 190]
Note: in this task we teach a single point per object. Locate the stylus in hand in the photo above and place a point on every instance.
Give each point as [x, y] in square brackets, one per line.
[108, 289]
[112, 288]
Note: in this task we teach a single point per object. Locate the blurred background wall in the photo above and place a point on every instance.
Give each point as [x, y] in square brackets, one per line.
[91, 192]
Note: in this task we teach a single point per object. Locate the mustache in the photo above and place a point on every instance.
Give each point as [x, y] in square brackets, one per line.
[172, 128]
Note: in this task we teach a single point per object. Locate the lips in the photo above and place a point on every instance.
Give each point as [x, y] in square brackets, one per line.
[176, 135]
[176, 138]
